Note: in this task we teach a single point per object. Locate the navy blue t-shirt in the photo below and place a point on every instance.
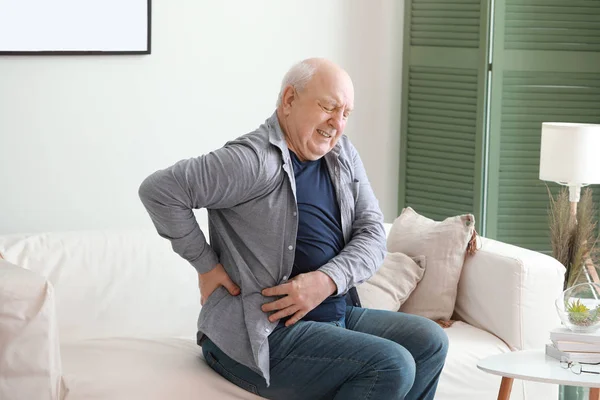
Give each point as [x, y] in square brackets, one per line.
[320, 236]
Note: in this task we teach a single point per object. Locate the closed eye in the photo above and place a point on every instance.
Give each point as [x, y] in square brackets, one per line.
[331, 109]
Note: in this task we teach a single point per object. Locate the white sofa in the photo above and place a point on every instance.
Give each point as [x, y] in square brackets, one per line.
[101, 315]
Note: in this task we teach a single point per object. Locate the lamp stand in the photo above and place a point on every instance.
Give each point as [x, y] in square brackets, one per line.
[574, 210]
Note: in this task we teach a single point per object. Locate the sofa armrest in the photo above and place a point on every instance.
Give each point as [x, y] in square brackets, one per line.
[30, 364]
[510, 292]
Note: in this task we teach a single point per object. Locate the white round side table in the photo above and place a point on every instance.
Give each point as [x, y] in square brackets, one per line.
[535, 365]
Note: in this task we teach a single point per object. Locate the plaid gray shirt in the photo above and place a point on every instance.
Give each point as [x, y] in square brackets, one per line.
[249, 190]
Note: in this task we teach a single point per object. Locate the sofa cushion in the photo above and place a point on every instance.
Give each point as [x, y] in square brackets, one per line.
[149, 369]
[444, 244]
[393, 283]
[460, 377]
[30, 363]
[158, 369]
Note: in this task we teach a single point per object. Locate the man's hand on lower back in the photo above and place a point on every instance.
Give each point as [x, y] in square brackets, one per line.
[211, 280]
[301, 294]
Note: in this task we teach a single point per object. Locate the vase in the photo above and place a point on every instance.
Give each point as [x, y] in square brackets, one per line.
[579, 307]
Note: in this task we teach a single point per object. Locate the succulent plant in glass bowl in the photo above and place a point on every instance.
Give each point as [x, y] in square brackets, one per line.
[579, 307]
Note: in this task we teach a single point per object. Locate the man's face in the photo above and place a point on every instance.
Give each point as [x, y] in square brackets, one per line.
[315, 117]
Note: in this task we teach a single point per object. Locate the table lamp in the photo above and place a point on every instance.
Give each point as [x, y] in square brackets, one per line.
[570, 156]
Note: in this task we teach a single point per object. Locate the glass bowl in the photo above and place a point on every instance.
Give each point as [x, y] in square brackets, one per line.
[579, 307]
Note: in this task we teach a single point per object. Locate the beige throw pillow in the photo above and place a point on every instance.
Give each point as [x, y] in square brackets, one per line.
[444, 244]
[393, 283]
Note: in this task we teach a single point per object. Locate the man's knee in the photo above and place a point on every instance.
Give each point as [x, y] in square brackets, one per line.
[397, 366]
[434, 339]
[442, 340]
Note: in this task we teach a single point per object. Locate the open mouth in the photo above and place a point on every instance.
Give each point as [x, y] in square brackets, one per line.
[323, 133]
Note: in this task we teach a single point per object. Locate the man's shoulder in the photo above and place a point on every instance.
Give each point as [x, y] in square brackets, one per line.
[259, 139]
[259, 143]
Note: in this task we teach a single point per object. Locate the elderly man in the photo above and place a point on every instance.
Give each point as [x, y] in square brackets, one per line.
[294, 227]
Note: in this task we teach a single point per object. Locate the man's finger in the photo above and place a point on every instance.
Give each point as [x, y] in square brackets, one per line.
[231, 287]
[278, 290]
[277, 304]
[295, 318]
[283, 313]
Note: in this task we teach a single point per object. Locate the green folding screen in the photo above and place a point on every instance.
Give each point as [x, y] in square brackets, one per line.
[545, 66]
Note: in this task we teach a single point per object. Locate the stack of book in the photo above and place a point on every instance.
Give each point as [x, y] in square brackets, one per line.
[575, 346]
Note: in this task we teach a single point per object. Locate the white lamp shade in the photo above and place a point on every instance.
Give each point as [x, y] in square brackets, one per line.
[570, 153]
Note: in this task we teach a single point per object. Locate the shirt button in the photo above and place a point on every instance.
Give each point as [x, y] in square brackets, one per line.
[267, 330]
[290, 247]
[295, 213]
[285, 277]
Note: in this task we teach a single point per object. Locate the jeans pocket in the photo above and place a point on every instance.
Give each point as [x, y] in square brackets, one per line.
[221, 370]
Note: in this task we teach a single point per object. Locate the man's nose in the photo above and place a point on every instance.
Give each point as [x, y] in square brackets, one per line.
[337, 120]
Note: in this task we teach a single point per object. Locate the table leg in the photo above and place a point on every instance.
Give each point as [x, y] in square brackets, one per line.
[505, 388]
[594, 393]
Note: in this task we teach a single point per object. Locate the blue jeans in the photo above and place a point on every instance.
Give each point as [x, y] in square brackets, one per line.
[369, 354]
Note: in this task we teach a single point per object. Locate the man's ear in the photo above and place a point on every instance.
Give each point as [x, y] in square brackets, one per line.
[289, 95]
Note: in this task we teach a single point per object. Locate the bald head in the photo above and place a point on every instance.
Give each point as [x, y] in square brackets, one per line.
[328, 68]
[300, 74]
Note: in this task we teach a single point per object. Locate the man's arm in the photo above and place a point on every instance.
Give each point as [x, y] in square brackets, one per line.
[364, 253]
[220, 179]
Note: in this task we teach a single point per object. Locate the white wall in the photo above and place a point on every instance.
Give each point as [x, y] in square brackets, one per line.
[79, 134]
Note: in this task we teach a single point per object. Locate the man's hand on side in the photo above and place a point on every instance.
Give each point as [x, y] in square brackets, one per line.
[301, 294]
[211, 280]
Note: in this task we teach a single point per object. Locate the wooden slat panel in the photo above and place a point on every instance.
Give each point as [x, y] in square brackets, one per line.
[552, 25]
[440, 142]
[442, 23]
